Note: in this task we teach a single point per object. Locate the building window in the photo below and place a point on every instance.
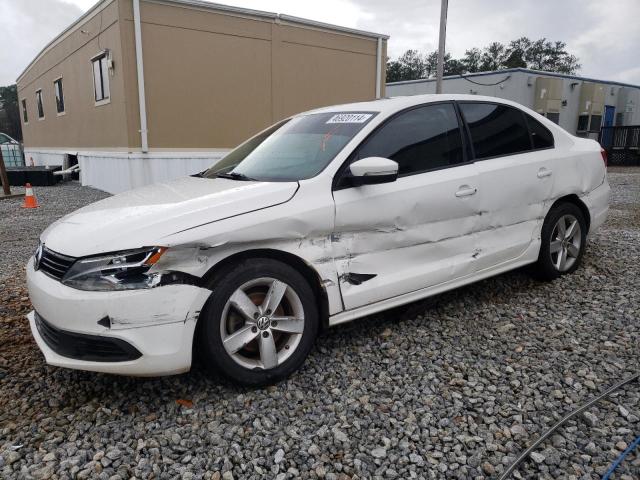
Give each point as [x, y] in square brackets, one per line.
[39, 103]
[583, 123]
[596, 121]
[57, 86]
[25, 117]
[101, 77]
[554, 117]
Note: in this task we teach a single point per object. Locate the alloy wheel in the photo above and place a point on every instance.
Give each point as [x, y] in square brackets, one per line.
[262, 323]
[566, 242]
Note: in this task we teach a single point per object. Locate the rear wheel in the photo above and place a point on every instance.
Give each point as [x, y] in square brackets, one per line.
[563, 237]
[259, 323]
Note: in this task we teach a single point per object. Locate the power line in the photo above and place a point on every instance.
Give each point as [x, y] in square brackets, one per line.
[485, 84]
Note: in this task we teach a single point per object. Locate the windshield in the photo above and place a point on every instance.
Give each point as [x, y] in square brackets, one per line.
[292, 150]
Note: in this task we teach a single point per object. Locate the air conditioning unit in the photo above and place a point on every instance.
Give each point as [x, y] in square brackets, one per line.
[548, 97]
[591, 107]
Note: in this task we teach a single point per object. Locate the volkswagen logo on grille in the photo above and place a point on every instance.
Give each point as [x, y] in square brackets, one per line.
[36, 257]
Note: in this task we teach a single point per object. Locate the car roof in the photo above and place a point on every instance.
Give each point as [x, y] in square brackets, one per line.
[393, 104]
[389, 106]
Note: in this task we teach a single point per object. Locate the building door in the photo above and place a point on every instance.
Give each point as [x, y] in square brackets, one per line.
[609, 116]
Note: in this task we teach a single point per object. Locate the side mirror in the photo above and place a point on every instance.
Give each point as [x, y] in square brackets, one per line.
[373, 170]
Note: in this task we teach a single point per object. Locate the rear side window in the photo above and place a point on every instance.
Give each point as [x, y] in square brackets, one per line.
[540, 135]
[421, 139]
[496, 130]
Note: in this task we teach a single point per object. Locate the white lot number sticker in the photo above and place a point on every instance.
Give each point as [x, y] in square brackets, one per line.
[350, 118]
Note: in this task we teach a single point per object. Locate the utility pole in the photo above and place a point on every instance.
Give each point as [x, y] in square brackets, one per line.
[441, 42]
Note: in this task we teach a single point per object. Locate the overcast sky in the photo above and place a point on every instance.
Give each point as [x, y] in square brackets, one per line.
[604, 35]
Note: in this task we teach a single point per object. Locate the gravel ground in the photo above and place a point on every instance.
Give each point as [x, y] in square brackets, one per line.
[452, 387]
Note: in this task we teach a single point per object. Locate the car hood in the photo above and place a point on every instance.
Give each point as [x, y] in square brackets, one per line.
[145, 216]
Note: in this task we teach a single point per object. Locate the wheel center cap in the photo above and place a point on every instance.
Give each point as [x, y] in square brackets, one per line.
[264, 323]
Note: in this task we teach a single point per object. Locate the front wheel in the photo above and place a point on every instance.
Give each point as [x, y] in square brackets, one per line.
[259, 324]
[563, 237]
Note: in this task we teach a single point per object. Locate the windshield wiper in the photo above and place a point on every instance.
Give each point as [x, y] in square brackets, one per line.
[235, 176]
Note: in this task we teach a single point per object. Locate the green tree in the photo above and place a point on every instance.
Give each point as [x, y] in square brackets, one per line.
[431, 64]
[551, 57]
[394, 71]
[453, 66]
[493, 57]
[10, 112]
[410, 66]
[472, 60]
[516, 53]
[540, 54]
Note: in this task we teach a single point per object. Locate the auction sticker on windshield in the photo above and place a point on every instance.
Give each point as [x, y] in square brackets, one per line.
[350, 118]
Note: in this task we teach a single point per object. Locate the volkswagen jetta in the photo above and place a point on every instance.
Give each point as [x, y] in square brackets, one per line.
[325, 217]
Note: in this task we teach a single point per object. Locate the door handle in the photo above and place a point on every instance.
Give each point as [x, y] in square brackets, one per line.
[544, 172]
[466, 191]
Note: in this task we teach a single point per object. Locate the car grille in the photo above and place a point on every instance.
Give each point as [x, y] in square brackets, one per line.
[55, 264]
[93, 348]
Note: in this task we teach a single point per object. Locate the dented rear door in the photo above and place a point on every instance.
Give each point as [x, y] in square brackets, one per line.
[515, 160]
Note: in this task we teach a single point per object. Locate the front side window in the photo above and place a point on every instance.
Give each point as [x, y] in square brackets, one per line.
[25, 116]
[57, 86]
[101, 78]
[419, 140]
[39, 104]
[292, 150]
[496, 130]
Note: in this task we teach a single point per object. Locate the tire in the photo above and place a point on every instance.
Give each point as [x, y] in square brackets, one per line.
[245, 335]
[555, 244]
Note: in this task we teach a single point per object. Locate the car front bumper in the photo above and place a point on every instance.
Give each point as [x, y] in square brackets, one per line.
[158, 323]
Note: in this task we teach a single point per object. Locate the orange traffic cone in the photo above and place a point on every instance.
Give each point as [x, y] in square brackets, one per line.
[29, 198]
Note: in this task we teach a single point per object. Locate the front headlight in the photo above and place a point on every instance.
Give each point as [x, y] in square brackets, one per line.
[118, 271]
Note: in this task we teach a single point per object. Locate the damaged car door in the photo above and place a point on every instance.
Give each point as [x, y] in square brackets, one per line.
[417, 231]
[515, 160]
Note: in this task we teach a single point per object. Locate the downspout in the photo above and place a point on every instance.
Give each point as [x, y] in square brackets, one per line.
[144, 140]
[379, 68]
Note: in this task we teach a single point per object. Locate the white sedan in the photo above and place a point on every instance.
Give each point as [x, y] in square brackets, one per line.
[325, 217]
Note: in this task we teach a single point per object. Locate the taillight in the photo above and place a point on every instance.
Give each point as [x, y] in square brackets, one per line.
[603, 152]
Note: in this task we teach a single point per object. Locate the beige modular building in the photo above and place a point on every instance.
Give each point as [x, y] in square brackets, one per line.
[141, 91]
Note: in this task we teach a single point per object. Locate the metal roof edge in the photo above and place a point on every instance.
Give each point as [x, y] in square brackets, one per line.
[86, 15]
[329, 26]
[206, 5]
[512, 70]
